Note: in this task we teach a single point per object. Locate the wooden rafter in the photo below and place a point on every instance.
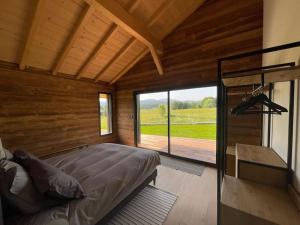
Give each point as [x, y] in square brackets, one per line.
[152, 19]
[32, 30]
[159, 12]
[115, 12]
[88, 10]
[157, 61]
[97, 50]
[112, 10]
[130, 65]
[112, 30]
[120, 53]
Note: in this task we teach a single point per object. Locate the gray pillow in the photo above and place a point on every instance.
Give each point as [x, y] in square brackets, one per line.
[8, 154]
[4, 153]
[18, 190]
[48, 179]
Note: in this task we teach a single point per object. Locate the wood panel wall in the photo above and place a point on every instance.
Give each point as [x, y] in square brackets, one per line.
[46, 114]
[246, 129]
[218, 28]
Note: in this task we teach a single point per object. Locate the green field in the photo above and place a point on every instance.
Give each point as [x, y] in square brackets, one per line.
[103, 125]
[202, 131]
[150, 119]
[179, 115]
[103, 122]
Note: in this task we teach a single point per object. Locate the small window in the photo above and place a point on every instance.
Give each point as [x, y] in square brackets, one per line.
[105, 103]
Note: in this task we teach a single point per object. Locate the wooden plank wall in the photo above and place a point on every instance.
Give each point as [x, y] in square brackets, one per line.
[246, 129]
[46, 114]
[218, 28]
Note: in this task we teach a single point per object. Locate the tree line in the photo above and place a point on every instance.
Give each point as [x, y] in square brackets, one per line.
[207, 102]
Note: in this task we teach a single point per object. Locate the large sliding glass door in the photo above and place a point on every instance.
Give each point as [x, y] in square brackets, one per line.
[193, 123]
[152, 128]
[179, 122]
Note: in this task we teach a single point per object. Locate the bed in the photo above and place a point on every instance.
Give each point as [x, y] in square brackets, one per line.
[109, 173]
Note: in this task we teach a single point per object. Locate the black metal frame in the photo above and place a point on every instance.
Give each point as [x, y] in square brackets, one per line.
[222, 113]
[291, 131]
[168, 90]
[269, 117]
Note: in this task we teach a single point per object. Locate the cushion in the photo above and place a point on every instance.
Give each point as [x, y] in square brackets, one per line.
[4, 153]
[8, 154]
[18, 190]
[48, 179]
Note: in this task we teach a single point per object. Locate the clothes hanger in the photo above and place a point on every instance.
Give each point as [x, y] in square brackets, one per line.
[250, 105]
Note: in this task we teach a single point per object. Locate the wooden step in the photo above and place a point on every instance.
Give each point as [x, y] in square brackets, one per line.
[260, 164]
[249, 203]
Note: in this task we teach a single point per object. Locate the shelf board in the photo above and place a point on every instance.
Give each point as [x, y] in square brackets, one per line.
[260, 155]
[246, 202]
[271, 76]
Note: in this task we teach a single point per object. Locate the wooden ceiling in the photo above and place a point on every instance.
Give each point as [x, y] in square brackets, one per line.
[98, 40]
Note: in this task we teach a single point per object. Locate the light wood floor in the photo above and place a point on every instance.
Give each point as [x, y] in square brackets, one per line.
[197, 196]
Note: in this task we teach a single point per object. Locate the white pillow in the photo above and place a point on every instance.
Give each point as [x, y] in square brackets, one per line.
[2, 152]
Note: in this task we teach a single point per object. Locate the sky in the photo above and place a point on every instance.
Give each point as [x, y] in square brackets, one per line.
[194, 94]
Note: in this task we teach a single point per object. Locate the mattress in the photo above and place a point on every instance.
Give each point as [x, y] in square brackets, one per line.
[107, 172]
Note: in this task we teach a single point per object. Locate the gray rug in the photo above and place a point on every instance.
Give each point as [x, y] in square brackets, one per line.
[182, 165]
[150, 207]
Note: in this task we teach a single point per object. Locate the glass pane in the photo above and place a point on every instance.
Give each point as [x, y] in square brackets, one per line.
[105, 113]
[153, 121]
[193, 123]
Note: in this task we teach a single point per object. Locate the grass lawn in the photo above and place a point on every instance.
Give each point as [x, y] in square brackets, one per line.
[179, 115]
[202, 131]
[103, 125]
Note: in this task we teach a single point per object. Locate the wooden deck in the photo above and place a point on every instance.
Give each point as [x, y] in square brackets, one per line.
[199, 149]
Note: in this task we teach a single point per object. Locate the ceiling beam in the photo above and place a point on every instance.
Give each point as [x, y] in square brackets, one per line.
[31, 32]
[154, 54]
[157, 61]
[130, 65]
[112, 30]
[112, 10]
[115, 12]
[159, 12]
[120, 53]
[87, 12]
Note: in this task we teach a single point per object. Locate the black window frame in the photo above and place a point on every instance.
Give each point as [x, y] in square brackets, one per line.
[169, 89]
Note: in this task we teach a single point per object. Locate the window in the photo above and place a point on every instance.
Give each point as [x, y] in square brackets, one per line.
[181, 122]
[105, 104]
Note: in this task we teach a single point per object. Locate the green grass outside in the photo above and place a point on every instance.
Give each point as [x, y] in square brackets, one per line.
[179, 115]
[103, 124]
[202, 131]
